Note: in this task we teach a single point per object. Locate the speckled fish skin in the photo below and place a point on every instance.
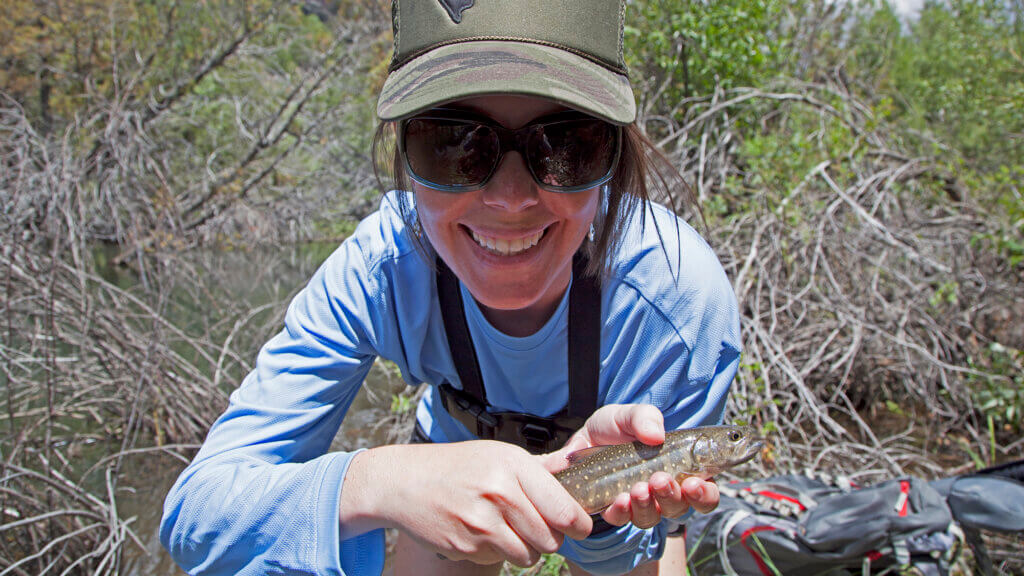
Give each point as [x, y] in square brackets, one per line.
[597, 475]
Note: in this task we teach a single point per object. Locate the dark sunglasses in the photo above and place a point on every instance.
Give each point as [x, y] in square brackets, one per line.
[457, 151]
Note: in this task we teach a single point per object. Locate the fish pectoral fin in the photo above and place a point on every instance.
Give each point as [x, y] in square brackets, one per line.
[578, 455]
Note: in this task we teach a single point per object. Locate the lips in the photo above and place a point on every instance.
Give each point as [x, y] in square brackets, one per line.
[506, 246]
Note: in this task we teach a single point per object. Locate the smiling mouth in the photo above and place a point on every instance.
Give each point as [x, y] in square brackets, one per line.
[504, 247]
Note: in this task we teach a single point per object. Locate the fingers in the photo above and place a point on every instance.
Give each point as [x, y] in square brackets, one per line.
[496, 503]
[557, 509]
[611, 424]
[529, 526]
[619, 512]
[559, 460]
[488, 538]
[662, 497]
[643, 508]
[510, 545]
[617, 423]
[703, 495]
[669, 495]
[484, 554]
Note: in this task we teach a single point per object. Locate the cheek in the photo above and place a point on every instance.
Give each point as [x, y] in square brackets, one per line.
[428, 219]
[580, 209]
[435, 211]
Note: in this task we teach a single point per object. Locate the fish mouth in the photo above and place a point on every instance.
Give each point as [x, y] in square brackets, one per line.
[751, 448]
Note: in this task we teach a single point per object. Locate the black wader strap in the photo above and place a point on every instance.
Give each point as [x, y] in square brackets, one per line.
[584, 340]
[536, 434]
[469, 405]
[460, 343]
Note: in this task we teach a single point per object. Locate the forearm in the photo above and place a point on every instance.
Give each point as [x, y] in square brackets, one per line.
[263, 491]
[234, 514]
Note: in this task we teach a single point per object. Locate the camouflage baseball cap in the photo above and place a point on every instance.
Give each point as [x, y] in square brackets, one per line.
[569, 51]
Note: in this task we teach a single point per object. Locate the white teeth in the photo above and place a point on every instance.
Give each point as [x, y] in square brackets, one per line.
[507, 247]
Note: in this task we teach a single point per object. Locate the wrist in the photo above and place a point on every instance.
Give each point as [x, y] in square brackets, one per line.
[368, 492]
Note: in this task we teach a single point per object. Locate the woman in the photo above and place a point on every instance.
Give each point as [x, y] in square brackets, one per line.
[526, 217]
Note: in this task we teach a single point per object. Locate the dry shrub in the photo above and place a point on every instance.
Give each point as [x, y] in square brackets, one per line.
[864, 296]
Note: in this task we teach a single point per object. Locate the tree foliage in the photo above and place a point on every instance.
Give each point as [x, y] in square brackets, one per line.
[957, 72]
[185, 115]
[694, 46]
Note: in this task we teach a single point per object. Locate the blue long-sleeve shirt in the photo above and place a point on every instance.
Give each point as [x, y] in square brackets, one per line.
[262, 494]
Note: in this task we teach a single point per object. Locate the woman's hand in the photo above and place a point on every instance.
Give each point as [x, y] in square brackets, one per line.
[481, 501]
[647, 502]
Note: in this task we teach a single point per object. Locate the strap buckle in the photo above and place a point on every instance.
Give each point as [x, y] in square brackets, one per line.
[535, 433]
[469, 411]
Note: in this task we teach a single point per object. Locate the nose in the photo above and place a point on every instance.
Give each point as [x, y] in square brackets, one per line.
[511, 188]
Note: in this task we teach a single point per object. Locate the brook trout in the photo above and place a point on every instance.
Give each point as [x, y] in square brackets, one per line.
[597, 475]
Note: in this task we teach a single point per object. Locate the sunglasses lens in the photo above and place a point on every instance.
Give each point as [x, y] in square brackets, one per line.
[573, 153]
[450, 152]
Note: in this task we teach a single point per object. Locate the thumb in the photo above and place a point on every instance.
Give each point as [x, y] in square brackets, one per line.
[559, 459]
[618, 423]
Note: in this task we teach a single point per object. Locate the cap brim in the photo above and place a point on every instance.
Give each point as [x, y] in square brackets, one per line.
[476, 68]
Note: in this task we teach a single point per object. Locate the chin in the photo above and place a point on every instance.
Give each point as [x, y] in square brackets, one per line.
[508, 300]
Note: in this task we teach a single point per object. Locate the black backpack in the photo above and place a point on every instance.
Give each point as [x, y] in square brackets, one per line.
[825, 525]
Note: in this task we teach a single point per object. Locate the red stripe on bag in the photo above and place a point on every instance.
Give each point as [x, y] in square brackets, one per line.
[757, 557]
[777, 496]
[904, 497]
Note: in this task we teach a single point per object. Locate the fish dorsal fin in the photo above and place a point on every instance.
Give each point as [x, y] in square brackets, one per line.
[578, 455]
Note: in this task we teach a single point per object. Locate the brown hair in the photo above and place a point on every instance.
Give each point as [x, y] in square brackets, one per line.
[643, 175]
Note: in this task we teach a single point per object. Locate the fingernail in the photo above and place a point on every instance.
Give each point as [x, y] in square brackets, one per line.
[699, 492]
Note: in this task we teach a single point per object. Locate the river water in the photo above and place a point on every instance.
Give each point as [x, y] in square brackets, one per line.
[249, 279]
[145, 499]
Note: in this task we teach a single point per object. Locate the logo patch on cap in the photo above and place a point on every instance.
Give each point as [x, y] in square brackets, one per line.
[455, 8]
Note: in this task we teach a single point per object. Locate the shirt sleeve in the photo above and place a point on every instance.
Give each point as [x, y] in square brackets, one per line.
[262, 494]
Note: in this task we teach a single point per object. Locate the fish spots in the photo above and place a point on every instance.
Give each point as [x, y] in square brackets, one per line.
[597, 477]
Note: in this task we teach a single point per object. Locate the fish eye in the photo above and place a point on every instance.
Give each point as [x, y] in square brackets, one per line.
[734, 436]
